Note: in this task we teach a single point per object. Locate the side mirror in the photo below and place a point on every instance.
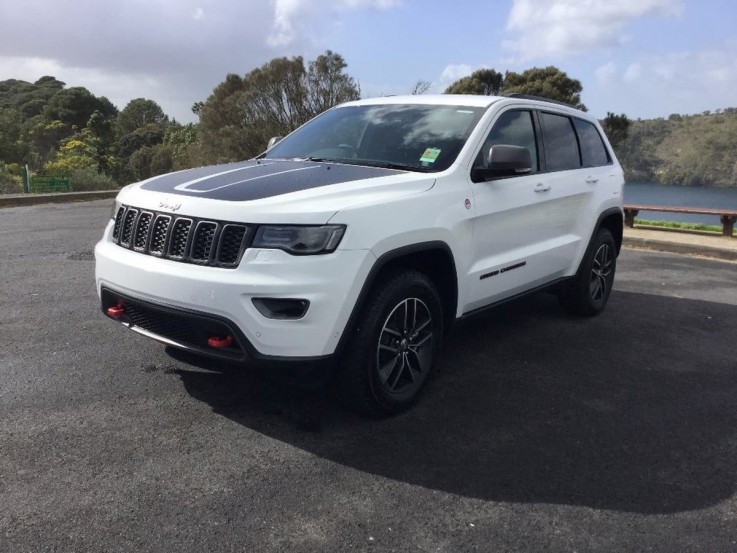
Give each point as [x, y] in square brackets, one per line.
[272, 141]
[503, 160]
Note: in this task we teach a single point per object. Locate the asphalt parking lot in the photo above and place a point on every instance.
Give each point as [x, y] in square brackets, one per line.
[540, 432]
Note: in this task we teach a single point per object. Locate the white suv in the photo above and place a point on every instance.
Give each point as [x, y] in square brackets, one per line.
[365, 233]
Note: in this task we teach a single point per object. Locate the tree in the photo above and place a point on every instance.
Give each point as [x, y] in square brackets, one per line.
[241, 114]
[74, 107]
[12, 148]
[139, 113]
[138, 165]
[486, 82]
[143, 138]
[141, 126]
[44, 138]
[48, 81]
[616, 128]
[328, 85]
[276, 94]
[420, 87]
[547, 82]
[181, 140]
[76, 152]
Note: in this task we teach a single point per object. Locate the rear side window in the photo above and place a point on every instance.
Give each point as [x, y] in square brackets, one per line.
[593, 151]
[561, 146]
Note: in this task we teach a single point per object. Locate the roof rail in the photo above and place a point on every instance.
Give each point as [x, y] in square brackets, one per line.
[539, 99]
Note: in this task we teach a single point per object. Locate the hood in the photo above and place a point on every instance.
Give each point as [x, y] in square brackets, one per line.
[263, 191]
[258, 179]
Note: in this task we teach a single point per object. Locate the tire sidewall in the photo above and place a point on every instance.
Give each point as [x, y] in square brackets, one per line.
[415, 287]
[603, 237]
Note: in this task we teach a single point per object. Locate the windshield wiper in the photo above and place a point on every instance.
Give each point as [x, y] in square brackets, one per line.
[399, 166]
[366, 163]
[318, 159]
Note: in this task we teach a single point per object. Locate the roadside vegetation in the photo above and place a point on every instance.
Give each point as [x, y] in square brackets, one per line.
[64, 131]
[673, 225]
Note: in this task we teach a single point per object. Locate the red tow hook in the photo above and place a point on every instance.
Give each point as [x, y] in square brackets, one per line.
[116, 311]
[220, 343]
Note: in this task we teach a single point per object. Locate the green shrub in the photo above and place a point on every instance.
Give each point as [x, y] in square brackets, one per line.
[88, 179]
[10, 183]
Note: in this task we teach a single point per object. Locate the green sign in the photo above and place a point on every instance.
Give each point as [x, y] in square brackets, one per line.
[49, 184]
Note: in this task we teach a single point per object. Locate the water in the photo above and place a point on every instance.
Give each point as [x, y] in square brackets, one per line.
[684, 196]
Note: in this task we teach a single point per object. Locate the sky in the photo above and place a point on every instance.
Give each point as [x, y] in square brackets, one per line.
[644, 58]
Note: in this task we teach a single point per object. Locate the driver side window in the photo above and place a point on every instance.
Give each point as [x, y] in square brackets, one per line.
[513, 128]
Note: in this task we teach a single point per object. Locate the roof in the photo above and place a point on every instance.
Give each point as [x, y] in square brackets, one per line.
[432, 99]
[471, 100]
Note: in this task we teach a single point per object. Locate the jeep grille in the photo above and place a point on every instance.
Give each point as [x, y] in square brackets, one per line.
[184, 239]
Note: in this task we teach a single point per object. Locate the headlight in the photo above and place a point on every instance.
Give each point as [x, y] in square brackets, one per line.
[299, 240]
[114, 209]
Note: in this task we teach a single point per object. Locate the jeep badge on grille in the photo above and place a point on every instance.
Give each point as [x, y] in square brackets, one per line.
[168, 204]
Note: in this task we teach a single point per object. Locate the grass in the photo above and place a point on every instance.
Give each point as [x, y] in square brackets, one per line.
[680, 226]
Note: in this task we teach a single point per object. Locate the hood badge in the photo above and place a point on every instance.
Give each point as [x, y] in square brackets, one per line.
[168, 204]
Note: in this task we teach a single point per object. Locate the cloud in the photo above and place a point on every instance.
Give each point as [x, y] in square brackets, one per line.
[289, 13]
[172, 51]
[606, 72]
[680, 82]
[452, 73]
[633, 72]
[548, 28]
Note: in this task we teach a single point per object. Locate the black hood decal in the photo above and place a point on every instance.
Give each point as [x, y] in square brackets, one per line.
[254, 180]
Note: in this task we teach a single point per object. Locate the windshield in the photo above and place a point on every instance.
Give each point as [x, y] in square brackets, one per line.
[413, 137]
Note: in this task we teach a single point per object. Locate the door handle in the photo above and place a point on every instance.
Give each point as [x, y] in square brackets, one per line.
[591, 180]
[540, 187]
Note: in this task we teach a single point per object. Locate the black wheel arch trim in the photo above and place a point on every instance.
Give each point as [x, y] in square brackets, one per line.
[618, 211]
[380, 264]
[604, 215]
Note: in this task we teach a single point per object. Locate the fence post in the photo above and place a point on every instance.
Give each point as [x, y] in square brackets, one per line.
[26, 180]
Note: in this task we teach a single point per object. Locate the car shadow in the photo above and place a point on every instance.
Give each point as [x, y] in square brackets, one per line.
[634, 410]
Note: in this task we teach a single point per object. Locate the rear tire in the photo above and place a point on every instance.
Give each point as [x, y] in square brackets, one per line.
[394, 346]
[589, 291]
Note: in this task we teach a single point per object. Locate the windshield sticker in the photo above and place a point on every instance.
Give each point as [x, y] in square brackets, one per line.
[465, 111]
[430, 155]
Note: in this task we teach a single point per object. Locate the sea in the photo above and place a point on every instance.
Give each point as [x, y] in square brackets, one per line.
[685, 196]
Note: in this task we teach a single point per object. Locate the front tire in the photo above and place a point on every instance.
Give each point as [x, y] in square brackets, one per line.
[588, 293]
[394, 345]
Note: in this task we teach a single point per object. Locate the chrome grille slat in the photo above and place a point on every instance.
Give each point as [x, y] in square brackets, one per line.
[126, 233]
[159, 234]
[231, 243]
[118, 221]
[204, 238]
[140, 240]
[179, 238]
[182, 239]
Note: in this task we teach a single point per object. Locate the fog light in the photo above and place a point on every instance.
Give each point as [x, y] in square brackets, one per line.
[277, 308]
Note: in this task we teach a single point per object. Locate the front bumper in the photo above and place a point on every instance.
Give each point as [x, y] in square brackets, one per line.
[224, 296]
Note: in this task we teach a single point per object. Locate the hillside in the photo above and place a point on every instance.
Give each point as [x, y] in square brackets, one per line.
[696, 150]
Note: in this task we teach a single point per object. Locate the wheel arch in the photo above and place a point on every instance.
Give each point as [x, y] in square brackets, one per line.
[613, 220]
[434, 258]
